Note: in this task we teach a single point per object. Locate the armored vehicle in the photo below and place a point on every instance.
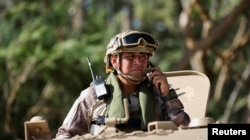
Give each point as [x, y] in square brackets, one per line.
[193, 89]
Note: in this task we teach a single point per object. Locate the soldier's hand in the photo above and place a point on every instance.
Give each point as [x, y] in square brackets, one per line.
[159, 81]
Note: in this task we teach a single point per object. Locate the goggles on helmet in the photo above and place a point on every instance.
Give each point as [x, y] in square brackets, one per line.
[133, 41]
[135, 38]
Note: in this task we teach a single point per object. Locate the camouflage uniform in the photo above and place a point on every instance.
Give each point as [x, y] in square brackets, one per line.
[78, 119]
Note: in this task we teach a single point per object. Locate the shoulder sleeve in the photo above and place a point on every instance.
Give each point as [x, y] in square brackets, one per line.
[76, 122]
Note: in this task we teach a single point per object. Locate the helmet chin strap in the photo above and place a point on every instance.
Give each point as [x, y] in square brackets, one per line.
[131, 78]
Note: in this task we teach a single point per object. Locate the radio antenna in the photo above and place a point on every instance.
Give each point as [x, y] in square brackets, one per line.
[92, 74]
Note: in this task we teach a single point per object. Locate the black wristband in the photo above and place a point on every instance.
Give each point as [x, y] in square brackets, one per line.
[171, 95]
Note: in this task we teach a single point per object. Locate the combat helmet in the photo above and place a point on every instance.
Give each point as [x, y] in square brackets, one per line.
[130, 41]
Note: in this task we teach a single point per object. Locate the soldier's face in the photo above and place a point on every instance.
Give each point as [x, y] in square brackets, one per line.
[131, 63]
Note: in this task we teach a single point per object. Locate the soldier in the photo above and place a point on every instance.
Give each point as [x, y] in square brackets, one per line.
[130, 76]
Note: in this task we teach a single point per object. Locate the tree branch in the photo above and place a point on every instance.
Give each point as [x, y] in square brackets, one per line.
[215, 34]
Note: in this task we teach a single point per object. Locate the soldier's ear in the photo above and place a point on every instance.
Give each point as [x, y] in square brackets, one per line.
[114, 61]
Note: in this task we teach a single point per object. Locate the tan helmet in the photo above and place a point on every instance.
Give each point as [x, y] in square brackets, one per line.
[130, 41]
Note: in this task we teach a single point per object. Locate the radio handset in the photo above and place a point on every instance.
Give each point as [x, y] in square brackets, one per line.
[149, 71]
[99, 84]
